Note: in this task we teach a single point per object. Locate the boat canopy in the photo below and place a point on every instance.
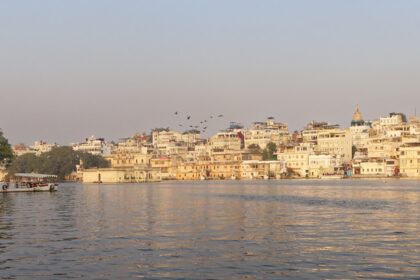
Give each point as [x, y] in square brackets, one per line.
[34, 175]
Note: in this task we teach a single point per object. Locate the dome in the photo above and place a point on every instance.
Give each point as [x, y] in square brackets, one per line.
[357, 118]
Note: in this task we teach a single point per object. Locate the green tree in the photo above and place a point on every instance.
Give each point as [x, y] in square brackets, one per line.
[353, 151]
[269, 151]
[26, 163]
[6, 152]
[92, 161]
[60, 161]
[254, 148]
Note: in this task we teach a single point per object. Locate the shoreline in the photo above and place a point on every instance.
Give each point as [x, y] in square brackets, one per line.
[248, 180]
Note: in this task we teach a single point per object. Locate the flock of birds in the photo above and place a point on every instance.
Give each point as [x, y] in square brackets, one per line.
[189, 122]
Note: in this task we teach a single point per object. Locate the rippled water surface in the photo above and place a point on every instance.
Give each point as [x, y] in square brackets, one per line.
[214, 230]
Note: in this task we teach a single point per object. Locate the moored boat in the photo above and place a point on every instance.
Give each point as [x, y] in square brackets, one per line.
[31, 182]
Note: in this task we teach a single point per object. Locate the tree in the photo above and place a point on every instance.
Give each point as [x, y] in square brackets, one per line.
[60, 161]
[92, 161]
[269, 151]
[6, 152]
[254, 147]
[353, 151]
[26, 163]
[191, 131]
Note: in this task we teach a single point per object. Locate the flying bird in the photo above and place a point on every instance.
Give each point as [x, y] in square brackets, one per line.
[189, 117]
[220, 116]
[176, 113]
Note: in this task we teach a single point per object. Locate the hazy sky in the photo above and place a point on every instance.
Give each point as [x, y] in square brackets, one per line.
[70, 69]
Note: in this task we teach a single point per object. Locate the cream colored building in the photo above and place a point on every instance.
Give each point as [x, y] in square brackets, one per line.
[296, 159]
[376, 168]
[262, 133]
[40, 147]
[410, 160]
[336, 142]
[169, 143]
[381, 147]
[258, 169]
[320, 165]
[311, 131]
[227, 140]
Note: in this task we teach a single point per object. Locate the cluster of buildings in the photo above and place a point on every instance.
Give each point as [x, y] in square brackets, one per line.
[386, 147]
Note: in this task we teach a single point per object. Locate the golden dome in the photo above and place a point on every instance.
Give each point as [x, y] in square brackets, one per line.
[357, 116]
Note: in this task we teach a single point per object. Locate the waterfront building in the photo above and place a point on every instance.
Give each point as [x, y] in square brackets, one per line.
[259, 169]
[410, 160]
[165, 166]
[336, 142]
[323, 164]
[296, 158]
[379, 167]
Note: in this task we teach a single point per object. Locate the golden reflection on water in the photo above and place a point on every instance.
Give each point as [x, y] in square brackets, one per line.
[223, 230]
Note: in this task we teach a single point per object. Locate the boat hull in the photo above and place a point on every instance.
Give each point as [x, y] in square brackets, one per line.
[43, 188]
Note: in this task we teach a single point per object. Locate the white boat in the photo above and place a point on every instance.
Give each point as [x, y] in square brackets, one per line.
[31, 182]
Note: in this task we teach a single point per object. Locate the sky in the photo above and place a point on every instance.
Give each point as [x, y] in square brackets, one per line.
[71, 69]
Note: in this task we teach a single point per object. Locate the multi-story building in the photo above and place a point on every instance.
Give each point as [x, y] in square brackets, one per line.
[322, 164]
[94, 146]
[259, 169]
[262, 133]
[410, 160]
[312, 129]
[382, 147]
[336, 142]
[376, 168]
[40, 147]
[296, 158]
[232, 139]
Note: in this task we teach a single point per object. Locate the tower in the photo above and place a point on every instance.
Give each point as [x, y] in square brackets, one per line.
[357, 119]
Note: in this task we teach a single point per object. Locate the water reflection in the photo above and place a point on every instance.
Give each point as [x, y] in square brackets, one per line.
[219, 230]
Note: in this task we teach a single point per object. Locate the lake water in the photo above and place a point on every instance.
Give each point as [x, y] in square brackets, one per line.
[214, 230]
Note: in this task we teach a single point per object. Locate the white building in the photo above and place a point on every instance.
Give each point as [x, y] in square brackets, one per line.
[94, 146]
[296, 159]
[40, 147]
[323, 164]
[262, 133]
